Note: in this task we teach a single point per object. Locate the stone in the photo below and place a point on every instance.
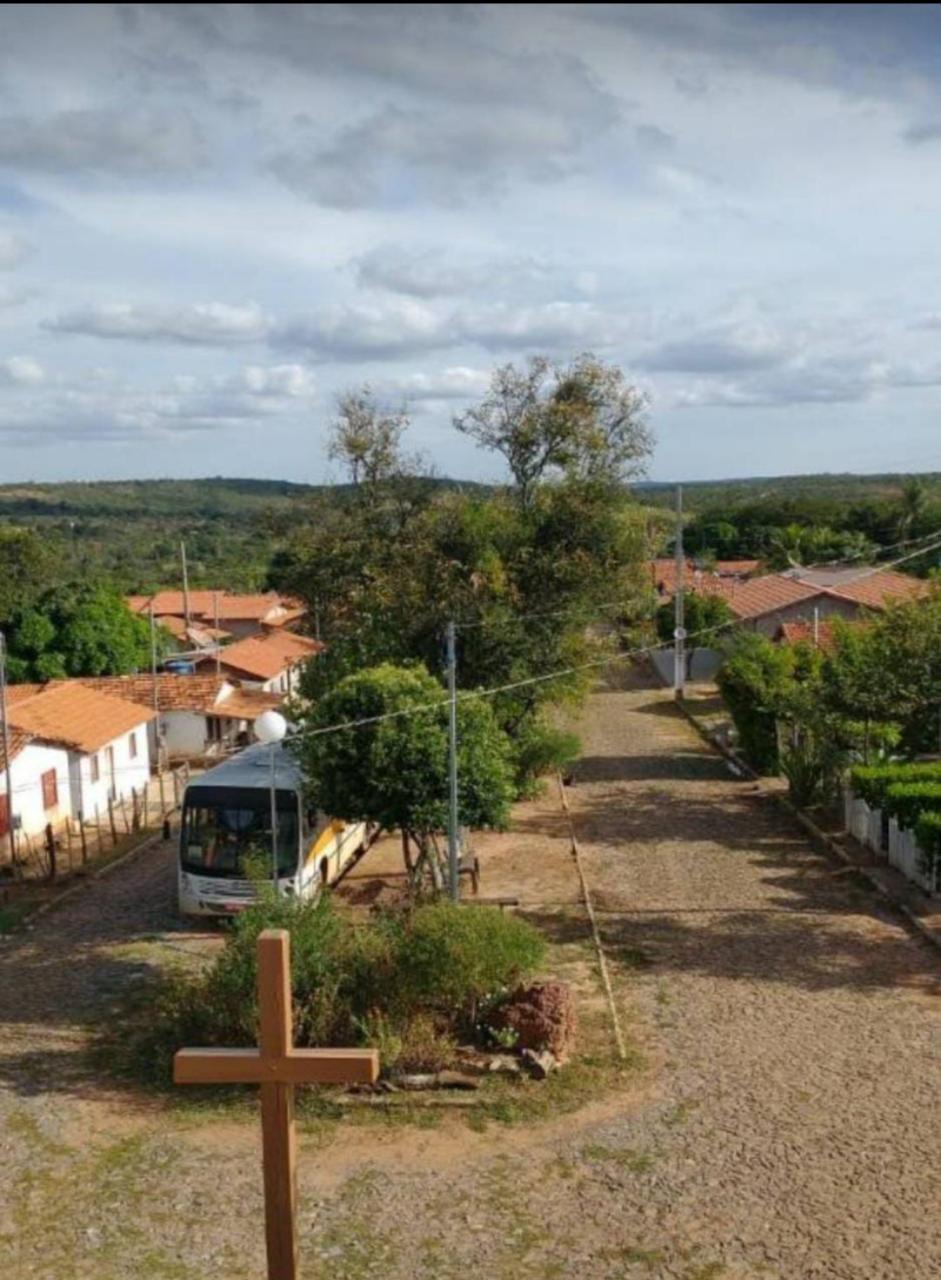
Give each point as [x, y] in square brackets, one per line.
[457, 1080]
[504, 1064]
[543, 1017]
[539, 1065]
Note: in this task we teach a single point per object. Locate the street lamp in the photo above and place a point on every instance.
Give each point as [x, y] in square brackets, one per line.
[270, 728]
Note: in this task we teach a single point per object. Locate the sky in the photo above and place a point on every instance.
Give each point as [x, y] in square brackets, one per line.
[214, 219]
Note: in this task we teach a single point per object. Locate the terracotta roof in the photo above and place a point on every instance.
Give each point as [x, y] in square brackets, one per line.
[77, 716]
[803, 633]
[174, 692]
[203, 604]
[18, 740]
[286, 618]
[663, 573]
[876, 590]
[253, 607]
[17, 692]
[246, 704]
[263, 657]
[756, 596]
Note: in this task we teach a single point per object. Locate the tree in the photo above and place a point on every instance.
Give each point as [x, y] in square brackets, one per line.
[78, 631]
[394, 772]
[365, 438]
[583, 421]
[29, 565]
[701, 613]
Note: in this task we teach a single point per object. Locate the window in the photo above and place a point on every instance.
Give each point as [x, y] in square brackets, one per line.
[132, 741]
[95, 769]
[50, 789]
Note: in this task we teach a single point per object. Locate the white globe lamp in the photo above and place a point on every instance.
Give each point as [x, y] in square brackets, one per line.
[270, 727]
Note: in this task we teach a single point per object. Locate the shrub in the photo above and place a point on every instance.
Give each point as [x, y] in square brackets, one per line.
[907, 801]
[755, 679]
[928, 835]
[871, 782]
[405, 982]
[540, 749]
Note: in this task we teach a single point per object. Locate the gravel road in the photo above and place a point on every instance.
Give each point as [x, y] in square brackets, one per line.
[786, 1125]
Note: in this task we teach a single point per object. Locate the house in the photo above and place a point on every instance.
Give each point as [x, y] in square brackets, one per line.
[768, 602]
[271, 662]
[663, 573]
[198, 716]
[236, 615]
[104, 740]
[39, 777]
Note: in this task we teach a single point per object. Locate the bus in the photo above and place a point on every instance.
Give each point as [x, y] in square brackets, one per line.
[226, 818]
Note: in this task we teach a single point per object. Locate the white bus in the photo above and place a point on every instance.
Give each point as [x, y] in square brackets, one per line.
[226, 816]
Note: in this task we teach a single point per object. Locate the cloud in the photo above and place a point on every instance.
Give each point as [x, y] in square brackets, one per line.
[928, 131]
[457, 382]
[722, 349]
[102, 141]
[10, 297]
[435, 271]
[197, 324]
[362, 331]
[14, 249]
[399, 154]
[290, 381]
[21, 371]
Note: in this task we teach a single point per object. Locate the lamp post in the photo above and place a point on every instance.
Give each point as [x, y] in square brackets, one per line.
[270, 728]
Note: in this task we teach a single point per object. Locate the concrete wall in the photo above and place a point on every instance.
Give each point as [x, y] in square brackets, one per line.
[702, 664]
[130, 773]
[184, 734]
[803, 611]
[26, 772]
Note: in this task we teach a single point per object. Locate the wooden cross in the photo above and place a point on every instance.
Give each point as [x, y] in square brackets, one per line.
[277, 1066]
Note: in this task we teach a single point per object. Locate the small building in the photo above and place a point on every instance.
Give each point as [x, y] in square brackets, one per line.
[39, 776]
[235, 615]
[104, 739]
[270, 663]
[197, 717]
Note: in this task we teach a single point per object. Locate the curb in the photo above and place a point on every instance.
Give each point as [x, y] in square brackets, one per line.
[822, 841]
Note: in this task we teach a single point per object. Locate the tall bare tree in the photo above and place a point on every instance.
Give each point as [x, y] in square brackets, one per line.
[366, 438]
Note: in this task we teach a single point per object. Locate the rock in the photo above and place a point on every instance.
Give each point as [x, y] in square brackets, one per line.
[543, 1017]
[504, 1064]
[457, 1080]
[416, 1081]
[539, 1065]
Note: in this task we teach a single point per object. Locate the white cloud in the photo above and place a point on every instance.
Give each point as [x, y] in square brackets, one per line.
[458, 382]
[21, 371]
[721, 349]
[292, 381]
[363, 331]
[14, 249]
[551, 326]
[197, 324]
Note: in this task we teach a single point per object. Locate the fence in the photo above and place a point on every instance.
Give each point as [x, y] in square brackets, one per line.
[84, 838]
[886, 838]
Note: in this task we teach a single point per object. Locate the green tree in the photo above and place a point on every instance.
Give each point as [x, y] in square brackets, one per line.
[394, 771]
[29, 565]
[583, 421]
[704, 615]
[78, 631]
[366, 438]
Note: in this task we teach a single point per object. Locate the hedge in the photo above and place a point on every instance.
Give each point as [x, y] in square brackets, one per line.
[907, 801]
[871, 782]
[928, 835]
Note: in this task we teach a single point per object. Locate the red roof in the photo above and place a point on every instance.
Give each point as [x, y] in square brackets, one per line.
[79, 717]
[18, 740]
[663, 572]
[264, 657]
[803, 633]
[876, 590]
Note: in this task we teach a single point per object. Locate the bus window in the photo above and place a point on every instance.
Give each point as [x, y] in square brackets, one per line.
[218, 837]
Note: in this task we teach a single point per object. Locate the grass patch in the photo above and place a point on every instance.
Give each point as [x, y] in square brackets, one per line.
[635, 1161]
[680, 1113]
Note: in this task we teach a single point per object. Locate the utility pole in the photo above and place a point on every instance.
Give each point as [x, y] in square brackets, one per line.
[153, 674]
[215, 623]
[186, 586]
[452, 764]
[679, 629]
[6, 747]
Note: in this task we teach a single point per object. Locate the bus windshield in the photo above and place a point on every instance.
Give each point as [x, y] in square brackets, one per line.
[219, 831]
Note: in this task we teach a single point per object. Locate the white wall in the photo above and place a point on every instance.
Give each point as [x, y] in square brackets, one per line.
[129, 773]
[26, 771]
[184, 734]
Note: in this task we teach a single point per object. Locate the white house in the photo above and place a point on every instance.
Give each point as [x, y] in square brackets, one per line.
[104, 738]
[196, 716]
[39, 776]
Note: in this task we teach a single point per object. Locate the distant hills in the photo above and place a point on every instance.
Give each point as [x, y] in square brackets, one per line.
[217, 497]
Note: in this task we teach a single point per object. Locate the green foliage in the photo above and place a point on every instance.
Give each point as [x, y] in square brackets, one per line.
[540, 749]
[406, 983]
[907, 801]
[702, 614]
[77, 630]
[871, 782]
[395, 772]
[754, 680]
[928, 835]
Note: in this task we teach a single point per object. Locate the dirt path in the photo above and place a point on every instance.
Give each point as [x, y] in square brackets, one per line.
[787, 1125]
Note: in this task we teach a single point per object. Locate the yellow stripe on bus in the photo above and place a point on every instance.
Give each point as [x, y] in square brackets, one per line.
[326, 838]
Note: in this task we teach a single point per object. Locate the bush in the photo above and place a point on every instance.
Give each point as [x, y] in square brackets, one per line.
[871, 782]
[928, 835]
[541, 749]
[406, 983]
[755, 680]
[907, 801]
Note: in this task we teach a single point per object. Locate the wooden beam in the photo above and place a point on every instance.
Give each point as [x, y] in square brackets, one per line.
[300, 1066]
